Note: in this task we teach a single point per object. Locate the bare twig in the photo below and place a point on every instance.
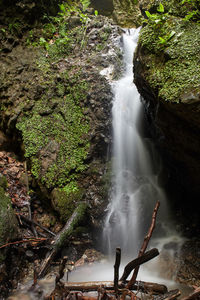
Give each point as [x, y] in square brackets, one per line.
[24, 241]
[145, 244]
[116, 268]
[138, 261]
[37, 224]
[34, 275]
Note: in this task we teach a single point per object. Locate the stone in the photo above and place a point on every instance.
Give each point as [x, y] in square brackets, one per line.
[8, 222]
[3, 182]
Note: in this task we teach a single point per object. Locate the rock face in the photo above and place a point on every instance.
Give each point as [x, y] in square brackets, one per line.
[125, 13]
[56, 107]
[8, 221]
[166, 71]
[190, 262]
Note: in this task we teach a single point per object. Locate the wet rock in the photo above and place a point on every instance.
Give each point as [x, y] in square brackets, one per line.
[8, 222]
[3, 182]
[104, 7]
[89, 256]
[188, 272]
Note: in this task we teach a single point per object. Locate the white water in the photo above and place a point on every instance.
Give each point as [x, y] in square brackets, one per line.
[135, 188]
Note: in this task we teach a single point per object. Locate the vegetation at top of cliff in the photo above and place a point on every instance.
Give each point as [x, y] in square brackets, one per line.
[65, 31]
[187, 9]
[172, 53]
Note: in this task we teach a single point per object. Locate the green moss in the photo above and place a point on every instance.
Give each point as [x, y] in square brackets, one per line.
[59, 122]
[80, 231]
[173, 67]
[65, 200]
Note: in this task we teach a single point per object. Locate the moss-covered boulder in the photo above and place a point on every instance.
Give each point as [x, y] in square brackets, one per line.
[65, 200]
[167, 75]
[8, 222]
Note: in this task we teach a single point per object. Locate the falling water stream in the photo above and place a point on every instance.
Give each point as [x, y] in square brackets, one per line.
[135, 188]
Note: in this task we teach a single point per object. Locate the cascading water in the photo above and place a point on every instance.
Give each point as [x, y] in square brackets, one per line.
[135, 187]
[135, 172]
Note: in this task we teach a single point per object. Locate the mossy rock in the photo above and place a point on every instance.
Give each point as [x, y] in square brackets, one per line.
[3, 182]
[8, 222]
[127, 13]
[172, 67]
[59, 150]
[65, 200]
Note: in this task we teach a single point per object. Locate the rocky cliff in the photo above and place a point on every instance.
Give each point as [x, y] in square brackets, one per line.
[166, 68]
[56, 101]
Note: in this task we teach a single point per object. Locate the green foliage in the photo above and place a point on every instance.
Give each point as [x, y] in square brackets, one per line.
[58, 38]
[187, 9]
[71, 187]
[156, 21]
[44, 43]
[15, 27]
[164, 40]
[85, 4]
[161, 8]
[157, 18]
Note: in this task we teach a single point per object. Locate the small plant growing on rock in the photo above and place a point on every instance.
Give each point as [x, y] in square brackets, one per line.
[157, 20]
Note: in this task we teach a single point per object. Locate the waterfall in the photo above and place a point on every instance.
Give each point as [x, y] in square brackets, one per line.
[135, 170]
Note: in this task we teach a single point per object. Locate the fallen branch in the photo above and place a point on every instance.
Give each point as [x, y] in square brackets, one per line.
[155, 288]
[193, 295]
[24, 241]
[116, 268]
[145, 244]
[37, 224]
[60, 239]
[138, 261]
